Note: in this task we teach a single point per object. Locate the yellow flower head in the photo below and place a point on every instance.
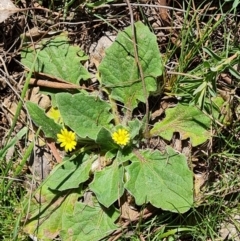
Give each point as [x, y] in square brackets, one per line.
[121, 137]
[67, 139]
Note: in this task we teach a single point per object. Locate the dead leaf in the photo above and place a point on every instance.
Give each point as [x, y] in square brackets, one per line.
[163, 12]
[200, 180]
[128, 211]
[166, 103]
[3, 83]
[42, 100]
[229, 228]
[7, 8]
[11, 107]
[97, 50]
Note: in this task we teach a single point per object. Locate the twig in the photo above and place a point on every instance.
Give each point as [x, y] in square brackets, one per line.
[142, 5]
[139, 66]
[33, 8]
[53, 148]
[55, 85]
[162, 6]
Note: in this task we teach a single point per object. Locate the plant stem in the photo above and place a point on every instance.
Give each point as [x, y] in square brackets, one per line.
[146, 131]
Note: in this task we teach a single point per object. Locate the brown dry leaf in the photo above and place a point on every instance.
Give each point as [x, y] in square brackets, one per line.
[97, 50]
[3, 83]
[11, 107]
[163, 12]
[128, 213]
[229, 228]
[165, 103]
[200, 180]
[42, 100]
[127, 210]
[7, 8]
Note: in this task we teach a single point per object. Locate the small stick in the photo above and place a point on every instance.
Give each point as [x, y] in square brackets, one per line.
[55, 153]
[15, 10]
[139, 66]
[56, 85]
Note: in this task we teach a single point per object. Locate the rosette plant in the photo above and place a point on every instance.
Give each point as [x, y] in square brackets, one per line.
[106, 141]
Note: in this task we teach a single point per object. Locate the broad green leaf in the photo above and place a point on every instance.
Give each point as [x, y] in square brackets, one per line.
[71, 173]
[108, 184]
[164, 180]
[104, 138]
[89, 223]
[135, 127]
[84, 114]
[48, 126]
[47, 214]
[124, 155]
[189, 121]
[48, 211]
[57, 58]
[110, 155]
[119, 71]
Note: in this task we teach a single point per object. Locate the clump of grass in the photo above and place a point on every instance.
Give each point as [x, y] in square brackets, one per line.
[10, 202]
[11, 191]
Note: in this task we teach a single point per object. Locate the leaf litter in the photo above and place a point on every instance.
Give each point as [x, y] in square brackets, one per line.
[7, 8]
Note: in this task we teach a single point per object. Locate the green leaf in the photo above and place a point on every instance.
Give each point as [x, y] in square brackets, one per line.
[108, 184]
[234, 72]
[57, 58]
[54, 205]
[47, 215]
[84, 114]
[164, 180]
[104, 139]
[71, 173]
[48, 126]
[212, 54]
[135, 127]
[189, 121]
[89, 223]
[235, 4]
[201, 87]
[119, 70]
[12, 142]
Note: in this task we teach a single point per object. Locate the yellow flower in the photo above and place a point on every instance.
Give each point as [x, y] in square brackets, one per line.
[121, 137]
[67, 139]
